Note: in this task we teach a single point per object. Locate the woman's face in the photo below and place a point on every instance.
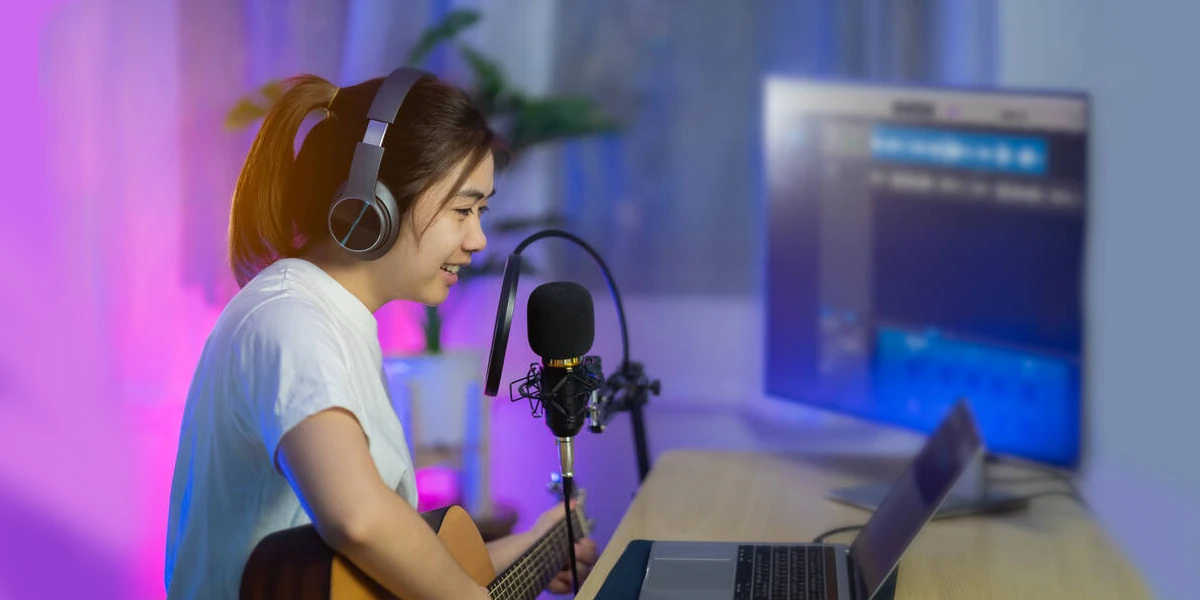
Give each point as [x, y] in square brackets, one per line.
[423, 269]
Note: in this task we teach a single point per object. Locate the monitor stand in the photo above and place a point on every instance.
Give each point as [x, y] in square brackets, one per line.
[972, 495]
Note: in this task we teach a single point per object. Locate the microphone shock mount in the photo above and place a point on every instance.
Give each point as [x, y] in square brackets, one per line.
[592, 396]
[580, 381]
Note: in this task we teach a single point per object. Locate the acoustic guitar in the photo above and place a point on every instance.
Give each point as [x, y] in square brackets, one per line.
[295, 564]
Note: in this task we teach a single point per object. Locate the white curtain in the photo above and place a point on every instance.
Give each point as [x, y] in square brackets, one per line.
[673, 202]
[123, 273]
[116, 254]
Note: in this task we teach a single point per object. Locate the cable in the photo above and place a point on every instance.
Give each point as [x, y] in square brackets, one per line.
[821, 538]
[1067, 493]
[1047, 474]
[1022, 479]
[567, 483]
[1072, 493]
[635, 411]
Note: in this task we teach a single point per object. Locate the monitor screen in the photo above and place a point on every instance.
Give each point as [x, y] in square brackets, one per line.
[926, 245]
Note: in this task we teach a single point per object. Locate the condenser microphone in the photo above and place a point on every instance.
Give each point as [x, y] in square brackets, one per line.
[561, 322]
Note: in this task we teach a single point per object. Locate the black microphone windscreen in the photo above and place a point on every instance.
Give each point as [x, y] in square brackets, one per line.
[561, 320]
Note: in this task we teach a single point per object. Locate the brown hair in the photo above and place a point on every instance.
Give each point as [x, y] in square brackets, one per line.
[281, 199]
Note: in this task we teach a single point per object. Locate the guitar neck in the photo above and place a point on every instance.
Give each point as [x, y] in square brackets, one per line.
[529, 575]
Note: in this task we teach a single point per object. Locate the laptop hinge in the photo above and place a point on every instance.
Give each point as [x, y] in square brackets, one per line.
[858, 589]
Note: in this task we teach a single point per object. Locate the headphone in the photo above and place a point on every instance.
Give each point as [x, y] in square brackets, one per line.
[363, 218]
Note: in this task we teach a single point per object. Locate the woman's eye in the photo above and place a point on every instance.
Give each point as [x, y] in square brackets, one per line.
[466, 212]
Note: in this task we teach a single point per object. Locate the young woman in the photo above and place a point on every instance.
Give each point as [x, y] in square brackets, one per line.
[288, 420]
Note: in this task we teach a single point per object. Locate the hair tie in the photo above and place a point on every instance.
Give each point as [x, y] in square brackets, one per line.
[329, 107]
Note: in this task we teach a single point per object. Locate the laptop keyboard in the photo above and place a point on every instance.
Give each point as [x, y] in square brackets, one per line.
[766, 572]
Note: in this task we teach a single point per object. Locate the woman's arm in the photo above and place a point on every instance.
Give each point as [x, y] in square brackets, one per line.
[326, 459]
[506, 550]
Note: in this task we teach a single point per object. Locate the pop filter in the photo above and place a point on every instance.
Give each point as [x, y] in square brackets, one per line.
[630, 377]
[504, 313]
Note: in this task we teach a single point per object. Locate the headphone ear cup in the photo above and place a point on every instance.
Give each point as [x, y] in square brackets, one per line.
[364, 228]
[386, 203]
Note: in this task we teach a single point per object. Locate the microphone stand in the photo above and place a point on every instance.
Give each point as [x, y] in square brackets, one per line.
[629, 385]
[627, 389]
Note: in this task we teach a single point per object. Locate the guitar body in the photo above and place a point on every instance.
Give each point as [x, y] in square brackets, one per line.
[296, 564]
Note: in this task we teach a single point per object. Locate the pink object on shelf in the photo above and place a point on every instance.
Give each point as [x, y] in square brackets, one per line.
[436, 487]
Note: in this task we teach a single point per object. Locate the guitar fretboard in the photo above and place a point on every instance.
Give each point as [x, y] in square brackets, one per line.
[528, 576]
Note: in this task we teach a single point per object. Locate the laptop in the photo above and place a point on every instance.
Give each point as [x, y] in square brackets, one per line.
[732, 571]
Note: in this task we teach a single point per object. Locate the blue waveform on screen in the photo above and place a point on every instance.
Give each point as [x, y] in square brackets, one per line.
[1026, 405]
[954, 149]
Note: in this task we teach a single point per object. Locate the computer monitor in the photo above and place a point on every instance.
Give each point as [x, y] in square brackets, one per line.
[926, 245]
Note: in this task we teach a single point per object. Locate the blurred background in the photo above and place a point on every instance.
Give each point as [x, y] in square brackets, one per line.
[689, 142]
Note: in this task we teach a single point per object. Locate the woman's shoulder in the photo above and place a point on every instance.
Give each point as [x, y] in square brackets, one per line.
[279, 294]
[285, 315]
[285, 328]
[275, 311]
[280, 308]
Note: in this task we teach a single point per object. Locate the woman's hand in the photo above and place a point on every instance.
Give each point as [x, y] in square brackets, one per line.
[586, 551]
[548, 519]
[585, 558]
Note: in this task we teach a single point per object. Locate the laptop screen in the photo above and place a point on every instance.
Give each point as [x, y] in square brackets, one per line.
[915, 496]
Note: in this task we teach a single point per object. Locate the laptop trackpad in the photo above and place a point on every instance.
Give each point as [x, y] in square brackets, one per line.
[691, 578]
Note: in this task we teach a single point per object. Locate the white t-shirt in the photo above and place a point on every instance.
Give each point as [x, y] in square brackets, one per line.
[291, 343]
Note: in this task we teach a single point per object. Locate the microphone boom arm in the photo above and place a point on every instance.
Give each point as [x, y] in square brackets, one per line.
[627, 390]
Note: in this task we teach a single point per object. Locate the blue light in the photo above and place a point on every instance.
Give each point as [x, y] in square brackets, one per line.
[1027, 405]
[955, 149]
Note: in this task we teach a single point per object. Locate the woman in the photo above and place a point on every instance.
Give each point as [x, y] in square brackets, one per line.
[288, 420]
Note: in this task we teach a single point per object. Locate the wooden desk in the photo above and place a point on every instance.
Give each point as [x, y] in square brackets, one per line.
[1052, 550]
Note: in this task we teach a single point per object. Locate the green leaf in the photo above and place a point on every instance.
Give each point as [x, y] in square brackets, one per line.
[448, 28]
[244, 114]
[433, 330]
[250, 109]
[552, 119]
[489, 80]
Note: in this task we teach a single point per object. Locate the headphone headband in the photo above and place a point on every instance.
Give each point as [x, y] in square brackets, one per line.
[368, 154]
[391, 94]
[364, 208]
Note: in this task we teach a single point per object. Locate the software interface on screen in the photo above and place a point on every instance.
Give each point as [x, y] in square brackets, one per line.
[926, 245]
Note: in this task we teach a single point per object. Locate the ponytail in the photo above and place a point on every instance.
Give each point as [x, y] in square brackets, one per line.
[261, 224]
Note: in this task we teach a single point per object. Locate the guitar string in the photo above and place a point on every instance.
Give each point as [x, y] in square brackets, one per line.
[518, 579]
[541, 563]
[535, 561]
[523, 564]
[551, 564]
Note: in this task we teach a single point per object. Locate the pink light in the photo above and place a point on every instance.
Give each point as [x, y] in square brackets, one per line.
[436, 487]
[400, 329]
